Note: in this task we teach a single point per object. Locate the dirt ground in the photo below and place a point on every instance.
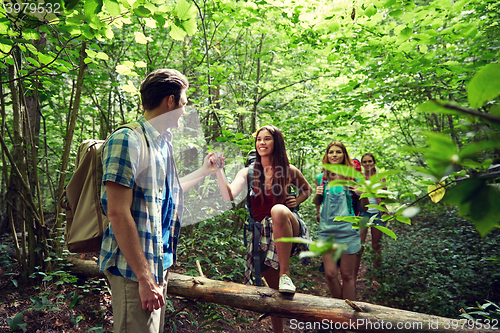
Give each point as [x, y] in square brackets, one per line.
[54, 312]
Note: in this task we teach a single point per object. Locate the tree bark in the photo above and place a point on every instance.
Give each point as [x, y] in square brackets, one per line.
[334, 313]
[69, 138]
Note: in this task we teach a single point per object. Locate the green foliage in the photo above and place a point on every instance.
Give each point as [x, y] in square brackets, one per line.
[43, 304]
[16, 321]
[476, 196]
[488, 310]
[319, 71]
[212, 244]
[438, 266]
[484, 86]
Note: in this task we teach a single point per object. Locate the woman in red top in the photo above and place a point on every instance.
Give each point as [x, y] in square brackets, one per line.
[272, 205]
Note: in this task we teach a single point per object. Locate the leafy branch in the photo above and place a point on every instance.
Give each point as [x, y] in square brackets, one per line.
[41, 67]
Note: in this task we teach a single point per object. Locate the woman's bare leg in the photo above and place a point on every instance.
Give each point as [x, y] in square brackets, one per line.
[285, 224]
[362, 234]
[377, 248]
[332, 279]
[347, 271]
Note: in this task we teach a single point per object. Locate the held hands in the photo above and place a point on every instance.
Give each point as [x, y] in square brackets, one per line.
[214, 162]
[151, 295]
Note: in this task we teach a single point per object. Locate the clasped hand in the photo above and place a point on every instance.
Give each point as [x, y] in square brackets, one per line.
[214, 162]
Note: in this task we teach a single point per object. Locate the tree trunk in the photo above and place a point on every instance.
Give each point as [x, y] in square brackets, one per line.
[69, 138]
[19, 162]
[305, 309]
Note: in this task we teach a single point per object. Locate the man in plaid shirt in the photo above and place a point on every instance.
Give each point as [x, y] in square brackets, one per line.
[143, 199]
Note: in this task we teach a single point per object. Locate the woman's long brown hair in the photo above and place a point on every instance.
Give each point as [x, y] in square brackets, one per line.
[280, 161]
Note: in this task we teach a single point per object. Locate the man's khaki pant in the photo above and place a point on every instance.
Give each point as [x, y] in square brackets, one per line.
[128, 315]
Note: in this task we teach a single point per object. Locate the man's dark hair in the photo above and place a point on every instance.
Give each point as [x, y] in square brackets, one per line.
[160, 84]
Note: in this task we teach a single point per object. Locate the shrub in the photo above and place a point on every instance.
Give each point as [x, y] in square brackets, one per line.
[438, 266]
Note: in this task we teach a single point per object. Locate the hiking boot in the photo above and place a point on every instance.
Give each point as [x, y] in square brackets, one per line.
[286, 285]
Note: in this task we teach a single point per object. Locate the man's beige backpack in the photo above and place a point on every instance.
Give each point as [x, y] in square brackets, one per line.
[81, 199]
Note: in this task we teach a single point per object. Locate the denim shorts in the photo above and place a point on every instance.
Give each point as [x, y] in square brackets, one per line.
[377, 221]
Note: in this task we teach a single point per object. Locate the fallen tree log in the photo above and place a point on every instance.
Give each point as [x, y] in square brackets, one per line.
[305, 311]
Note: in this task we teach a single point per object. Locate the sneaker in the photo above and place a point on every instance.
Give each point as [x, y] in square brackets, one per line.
[286, 285]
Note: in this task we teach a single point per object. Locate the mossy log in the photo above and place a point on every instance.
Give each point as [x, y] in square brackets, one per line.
[306, 311]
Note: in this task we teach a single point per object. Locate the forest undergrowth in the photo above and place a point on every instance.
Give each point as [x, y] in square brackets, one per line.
[439, 265]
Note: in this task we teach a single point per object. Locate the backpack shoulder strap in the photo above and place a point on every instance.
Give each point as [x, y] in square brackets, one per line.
[319, 178]
[249, 188]
[253, 226]
[132, 126]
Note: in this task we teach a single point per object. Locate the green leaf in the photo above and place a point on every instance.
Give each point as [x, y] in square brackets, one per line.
[160, 20]
[185, 11]
[333, 26]
[473, 150]
[387, 231]
[113, 7]
[5, 47]
[484, 86]
[396, 13]
[436, 107]
[31, 35]
[68, 4]
[45, 59]
[91, 53]
[469, 31]
[477, 202]
[92, 8]
[141, 38]
[190, 26]
[142, 11]
[495, 111]
[33, 61]
[176, 32]
[123, 70]
[87, 31]
[102, 56]
[389, 3]
[403, 219]
[405, 34]
[18, 318]
[108, 33]
[381, 208]
[370, 11]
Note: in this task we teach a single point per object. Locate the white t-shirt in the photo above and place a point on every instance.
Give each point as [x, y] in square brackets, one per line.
[372, 201]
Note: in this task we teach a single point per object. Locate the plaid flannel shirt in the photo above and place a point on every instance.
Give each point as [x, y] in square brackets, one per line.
[142, 160]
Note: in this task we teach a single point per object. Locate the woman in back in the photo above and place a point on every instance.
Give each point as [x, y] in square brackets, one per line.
[368, 162]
